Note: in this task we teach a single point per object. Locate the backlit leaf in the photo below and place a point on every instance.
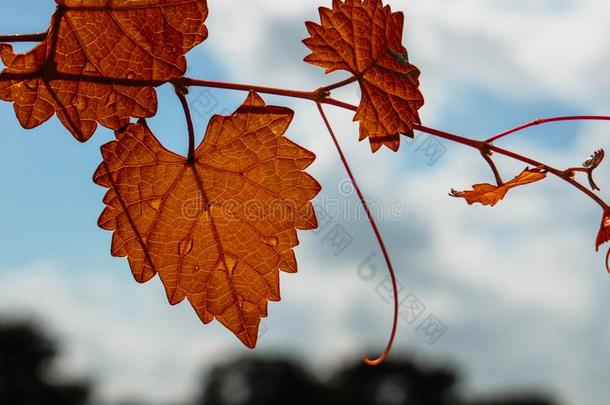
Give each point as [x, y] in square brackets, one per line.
[364, 37]
[489, 194]
[217, 230]
[91, 42]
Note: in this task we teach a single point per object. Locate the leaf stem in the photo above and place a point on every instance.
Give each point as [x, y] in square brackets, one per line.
[308, 95]
[487, 156]
[38, 37]
[382, 246]
[180, 92]
[541, 121]
[320, 95]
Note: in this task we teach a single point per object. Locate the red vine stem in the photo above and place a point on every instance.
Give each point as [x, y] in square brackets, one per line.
[308, 95]
[321, 95]
[40, 36]
[545, 121]
[371, 219]
[342, 83]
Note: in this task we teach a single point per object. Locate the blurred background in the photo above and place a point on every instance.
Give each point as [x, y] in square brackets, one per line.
[503, 305]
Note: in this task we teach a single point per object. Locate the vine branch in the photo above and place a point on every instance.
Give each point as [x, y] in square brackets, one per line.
[322, 96]
[541, 121]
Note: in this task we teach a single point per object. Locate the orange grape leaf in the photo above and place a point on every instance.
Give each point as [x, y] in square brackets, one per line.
[364, 37]
[217, 229]
[489, 194]
[93, 48]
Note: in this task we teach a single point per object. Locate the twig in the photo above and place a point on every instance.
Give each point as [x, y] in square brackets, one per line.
[487, 156]
[38, 37]
[180, 92]
[334, 86]
[308, 95]
[546, 121]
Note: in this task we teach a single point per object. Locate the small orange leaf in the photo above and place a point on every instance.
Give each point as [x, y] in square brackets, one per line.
[364, 37]
[217, 229]
[126, 40]
[489, 194]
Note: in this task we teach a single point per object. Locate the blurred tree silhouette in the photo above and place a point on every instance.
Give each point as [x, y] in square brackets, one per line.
[26, 355]
[395, 382]
[261, 381]
[253, 381]
[533, 399]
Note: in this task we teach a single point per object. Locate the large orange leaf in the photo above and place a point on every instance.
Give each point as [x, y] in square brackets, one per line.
[218, 229]
[364, 37]
[128, 40]
[489, 194]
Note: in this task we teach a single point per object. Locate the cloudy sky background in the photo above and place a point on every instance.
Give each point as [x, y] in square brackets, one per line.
[525, 299]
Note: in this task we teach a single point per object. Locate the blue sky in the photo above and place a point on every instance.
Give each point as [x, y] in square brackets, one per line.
[520, 288]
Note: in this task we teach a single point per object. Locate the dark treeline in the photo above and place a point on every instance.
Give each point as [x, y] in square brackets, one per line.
[26, 358]
[399, 381]
[27, 355]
